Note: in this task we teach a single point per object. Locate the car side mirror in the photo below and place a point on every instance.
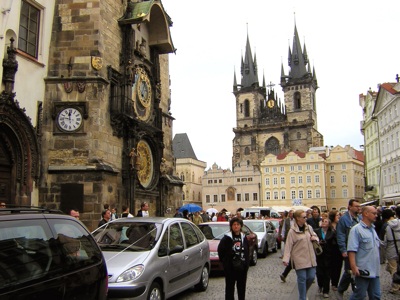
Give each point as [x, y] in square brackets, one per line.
[176, 249]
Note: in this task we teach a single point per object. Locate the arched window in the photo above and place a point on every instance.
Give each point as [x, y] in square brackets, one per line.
[272, 146]
[246, 108]
[182, 176]
[297, 100]
[246, 151]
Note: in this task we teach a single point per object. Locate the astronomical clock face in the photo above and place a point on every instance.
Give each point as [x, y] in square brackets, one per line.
[142, 95]
[145, 164]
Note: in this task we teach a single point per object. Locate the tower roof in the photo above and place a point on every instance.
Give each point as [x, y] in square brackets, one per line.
[249, 67]
[182, 147]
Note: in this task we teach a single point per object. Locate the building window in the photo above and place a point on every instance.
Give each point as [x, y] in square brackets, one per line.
[275, 180]
[209, 181]
[215, 198]
[293, 194]
[344, 178]
[223, 198]
[238, 197]
[308, 167]
[292, 168]
[276, 195]
[208, 198]
[309, 194]
[317, 193]
[282, 169]
[255, 197]
[268, 195]
[297, 100]
[266, 170]
[215, 181]
[344, 193]
[292, 179]
[238, 179]
[333, 193]
[316, 178]
[246, 108]
[301, 194]
[332, 178]
[274, 169]
[28, 38]
[299, 168]
[316, 167]
[283, 195]
[344, 167]
[244, 179]
[267, 181]
[246, 197]
[308, 179]
[219, 180]
[282, 180]
[332, 168]
[300, 179]
[249, 179]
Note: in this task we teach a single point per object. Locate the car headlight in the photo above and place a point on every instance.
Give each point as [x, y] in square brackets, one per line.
[131, 274]
[213, 254]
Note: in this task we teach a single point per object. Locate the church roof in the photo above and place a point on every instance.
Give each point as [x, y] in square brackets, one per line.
[182, 147]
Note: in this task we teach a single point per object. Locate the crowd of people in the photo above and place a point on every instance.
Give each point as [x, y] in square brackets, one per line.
[354, 245]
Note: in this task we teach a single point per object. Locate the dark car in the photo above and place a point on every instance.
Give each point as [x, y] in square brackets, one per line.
[45, 254]
[214, 232]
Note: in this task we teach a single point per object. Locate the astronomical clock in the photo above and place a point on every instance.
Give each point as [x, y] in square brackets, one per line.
[142, 95]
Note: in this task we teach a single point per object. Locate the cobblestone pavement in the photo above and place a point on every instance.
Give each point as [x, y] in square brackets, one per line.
[263, 283]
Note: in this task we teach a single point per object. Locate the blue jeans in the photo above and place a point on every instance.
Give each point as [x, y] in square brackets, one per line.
[305, 278]
[364, 285]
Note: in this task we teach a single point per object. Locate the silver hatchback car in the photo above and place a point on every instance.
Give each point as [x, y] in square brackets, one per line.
[266, 234]
[153, 258]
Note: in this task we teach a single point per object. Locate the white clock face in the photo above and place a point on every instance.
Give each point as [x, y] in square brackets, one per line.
[69, 119]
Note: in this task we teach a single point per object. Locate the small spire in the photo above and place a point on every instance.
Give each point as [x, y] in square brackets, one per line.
[235, 88]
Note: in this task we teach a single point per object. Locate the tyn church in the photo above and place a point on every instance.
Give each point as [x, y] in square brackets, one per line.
[264, 124]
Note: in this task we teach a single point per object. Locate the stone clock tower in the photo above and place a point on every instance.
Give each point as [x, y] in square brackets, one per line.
[264, 124]
[106, 120]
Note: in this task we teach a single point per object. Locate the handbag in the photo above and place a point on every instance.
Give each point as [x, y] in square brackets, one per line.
[317, 248]
[396, 276]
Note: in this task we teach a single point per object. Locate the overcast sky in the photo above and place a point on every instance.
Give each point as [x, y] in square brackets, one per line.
[353, 45]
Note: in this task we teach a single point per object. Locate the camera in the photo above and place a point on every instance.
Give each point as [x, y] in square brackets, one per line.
[363, 272]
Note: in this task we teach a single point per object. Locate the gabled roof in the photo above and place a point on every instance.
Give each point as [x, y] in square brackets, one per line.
[388, 86]
[283, 155]
[182, 147]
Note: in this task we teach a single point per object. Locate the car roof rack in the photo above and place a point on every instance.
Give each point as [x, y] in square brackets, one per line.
[29, 209]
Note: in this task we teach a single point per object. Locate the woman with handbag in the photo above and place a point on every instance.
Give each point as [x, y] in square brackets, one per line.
[299, 251]
[392, 246]
[233, 252]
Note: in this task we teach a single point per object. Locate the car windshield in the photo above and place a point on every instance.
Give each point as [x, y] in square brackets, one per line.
[129, 236]
[214, 231]
[256, 226]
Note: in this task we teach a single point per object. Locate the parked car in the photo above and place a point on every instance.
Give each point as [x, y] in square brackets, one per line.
[276, 222]
[153, 258]
[45, 254]
[214, 232]
[266, 235]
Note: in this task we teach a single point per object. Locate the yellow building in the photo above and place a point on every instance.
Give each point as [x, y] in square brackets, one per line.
[325, 177]
[293, 178]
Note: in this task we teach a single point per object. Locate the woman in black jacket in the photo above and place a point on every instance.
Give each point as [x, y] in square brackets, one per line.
[233, 252]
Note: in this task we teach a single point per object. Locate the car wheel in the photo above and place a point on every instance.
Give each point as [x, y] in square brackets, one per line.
[204, 278]
[155, 292]
[253, 261]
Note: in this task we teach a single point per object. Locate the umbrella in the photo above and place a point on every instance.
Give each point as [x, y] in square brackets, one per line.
[190, 207]
[212, 210]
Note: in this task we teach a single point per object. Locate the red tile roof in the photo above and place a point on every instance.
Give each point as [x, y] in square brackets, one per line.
[283, 155]
[389, 87]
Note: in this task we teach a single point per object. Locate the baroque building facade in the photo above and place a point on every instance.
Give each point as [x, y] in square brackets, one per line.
[100, 101]
[189, 169]
[386, 112]
[264, 124]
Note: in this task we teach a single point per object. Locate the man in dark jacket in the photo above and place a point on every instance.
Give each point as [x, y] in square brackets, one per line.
[233, 252]
[315, 219]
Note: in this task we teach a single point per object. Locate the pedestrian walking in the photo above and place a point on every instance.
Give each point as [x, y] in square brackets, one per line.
[144, 210]
[391, 244]
[233, 252]
[346, 222]
[299, 252]
[325, 236]
[105, 217]
[336, 261]
[363, 252]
